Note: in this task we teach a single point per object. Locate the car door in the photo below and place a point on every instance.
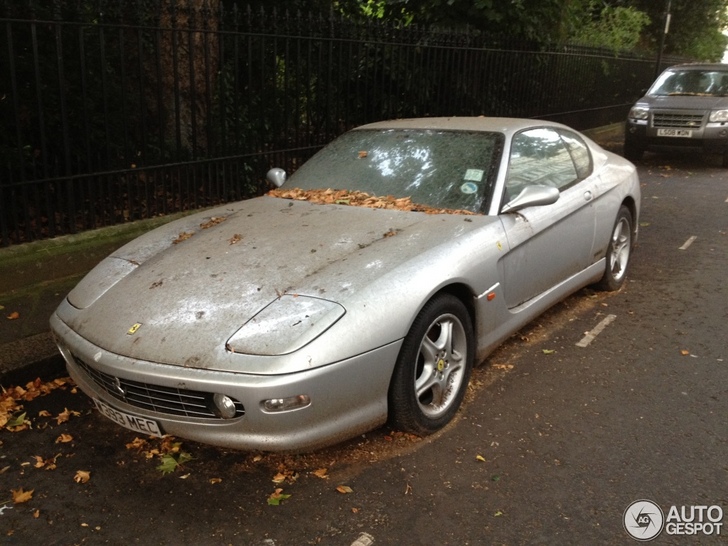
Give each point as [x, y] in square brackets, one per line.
[547, 244]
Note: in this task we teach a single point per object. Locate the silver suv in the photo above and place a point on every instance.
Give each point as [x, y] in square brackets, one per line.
[686, 107]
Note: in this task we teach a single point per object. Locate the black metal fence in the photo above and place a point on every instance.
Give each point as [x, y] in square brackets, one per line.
[121, 112]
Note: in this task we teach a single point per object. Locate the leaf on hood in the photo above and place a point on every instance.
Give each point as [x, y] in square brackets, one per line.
[183, 236]
[213, 221]
[20, 496]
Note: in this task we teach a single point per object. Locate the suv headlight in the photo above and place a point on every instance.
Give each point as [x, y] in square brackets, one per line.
[719, 116]
[638, 112]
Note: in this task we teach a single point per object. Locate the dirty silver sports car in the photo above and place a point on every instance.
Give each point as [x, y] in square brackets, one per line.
[361, 290]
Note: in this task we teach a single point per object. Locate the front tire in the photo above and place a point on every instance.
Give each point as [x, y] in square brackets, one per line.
[433, 367]
[619, 252]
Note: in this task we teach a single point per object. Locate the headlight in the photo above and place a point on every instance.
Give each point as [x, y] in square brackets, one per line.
[285, 325]
[719, 116]
[638, 112]
[99, 281]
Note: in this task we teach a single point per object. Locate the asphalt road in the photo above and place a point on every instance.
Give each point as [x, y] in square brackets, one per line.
[554, 442]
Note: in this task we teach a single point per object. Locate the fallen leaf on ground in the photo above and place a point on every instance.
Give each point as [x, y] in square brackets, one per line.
[64, 439]
[685, 352]
[321, 473]
[21, 496]
[480, 458]
[65, 415]
[276, 497]
[344, 489]
[14, 315]
[82, 476]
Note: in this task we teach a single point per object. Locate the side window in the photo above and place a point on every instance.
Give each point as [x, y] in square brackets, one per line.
[539, 157]
[579, 153]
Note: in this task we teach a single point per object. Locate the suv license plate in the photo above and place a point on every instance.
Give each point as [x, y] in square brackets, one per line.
[681, 133]
[141, 425]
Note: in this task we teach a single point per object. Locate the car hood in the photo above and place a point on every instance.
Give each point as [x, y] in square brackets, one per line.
[179, 293]
[688, 102]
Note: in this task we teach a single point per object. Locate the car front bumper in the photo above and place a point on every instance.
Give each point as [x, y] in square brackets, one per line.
[347, 398]
[709, 138]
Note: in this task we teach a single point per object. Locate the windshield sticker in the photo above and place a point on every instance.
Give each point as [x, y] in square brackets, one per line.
[469, 188]
[474, 175]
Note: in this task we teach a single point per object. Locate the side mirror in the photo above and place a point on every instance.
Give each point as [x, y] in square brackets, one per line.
[532, 196]
[276, 176]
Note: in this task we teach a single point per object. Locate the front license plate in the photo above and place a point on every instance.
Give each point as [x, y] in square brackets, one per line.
[126, 420]
[681, 133]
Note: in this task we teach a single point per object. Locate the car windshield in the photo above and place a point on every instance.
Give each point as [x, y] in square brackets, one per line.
[691, 82]
[442, 169]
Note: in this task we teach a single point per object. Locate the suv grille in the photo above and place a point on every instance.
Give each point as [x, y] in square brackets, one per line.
[167, 400]
[683, 121]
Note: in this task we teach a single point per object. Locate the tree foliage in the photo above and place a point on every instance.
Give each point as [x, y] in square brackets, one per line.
[695, 31]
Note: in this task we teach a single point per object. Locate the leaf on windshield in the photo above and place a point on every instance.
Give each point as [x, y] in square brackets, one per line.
[359, 199]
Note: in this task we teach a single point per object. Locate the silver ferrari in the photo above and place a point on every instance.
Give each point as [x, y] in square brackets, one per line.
[360, 291]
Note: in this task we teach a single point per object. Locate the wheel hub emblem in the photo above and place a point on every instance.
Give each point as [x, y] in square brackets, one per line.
[440, 365]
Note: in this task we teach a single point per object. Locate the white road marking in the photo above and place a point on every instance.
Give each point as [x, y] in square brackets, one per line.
[592, 334]
[689, 242]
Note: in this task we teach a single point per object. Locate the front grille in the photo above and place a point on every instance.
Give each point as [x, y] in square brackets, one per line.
[681, 121]
[156, 398]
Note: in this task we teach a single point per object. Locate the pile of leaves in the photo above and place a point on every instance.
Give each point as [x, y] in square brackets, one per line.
[360, 199]
[12, 418]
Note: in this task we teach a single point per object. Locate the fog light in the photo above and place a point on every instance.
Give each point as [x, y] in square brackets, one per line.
[275, 405]
[224, 406]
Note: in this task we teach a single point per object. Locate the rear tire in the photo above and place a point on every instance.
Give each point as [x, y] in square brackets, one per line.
[433, 367]
[619, 252]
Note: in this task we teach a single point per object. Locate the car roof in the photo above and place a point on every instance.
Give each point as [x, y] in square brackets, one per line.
[480, 123]
[699, 66]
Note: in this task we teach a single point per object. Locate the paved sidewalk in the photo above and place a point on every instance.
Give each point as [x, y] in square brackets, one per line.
[35, 277]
